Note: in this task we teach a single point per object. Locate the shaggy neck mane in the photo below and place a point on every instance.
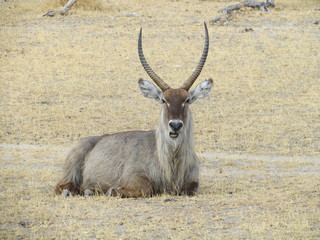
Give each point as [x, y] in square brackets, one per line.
[175, 154]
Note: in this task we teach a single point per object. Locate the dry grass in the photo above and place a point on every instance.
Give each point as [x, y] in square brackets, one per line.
[61, 73]
[44, 5]
[67, 77]
[88, 5]
[240, 198]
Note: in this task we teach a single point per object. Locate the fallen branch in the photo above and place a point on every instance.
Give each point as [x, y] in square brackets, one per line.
[264, 6]
[62, 11]
[232, 8]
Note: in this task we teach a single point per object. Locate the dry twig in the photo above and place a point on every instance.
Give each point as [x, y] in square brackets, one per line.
[264, 6]
[62, 11]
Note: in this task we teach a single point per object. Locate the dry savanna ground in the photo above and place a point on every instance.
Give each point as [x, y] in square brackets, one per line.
[257, 134]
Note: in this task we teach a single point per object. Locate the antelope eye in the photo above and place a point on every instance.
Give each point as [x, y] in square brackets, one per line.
[187, 100]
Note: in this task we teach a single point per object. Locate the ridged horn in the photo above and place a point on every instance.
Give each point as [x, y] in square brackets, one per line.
[161, 84]
[187, 85]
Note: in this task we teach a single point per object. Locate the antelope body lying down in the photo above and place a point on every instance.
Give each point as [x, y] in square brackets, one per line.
[143, 163]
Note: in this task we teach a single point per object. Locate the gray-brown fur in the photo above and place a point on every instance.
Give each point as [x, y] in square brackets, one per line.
[141, 163]
[72, 169]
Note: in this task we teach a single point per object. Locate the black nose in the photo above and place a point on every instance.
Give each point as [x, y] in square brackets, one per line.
[175, 125]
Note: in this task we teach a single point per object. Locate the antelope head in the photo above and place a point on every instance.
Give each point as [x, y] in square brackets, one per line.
[175, 100]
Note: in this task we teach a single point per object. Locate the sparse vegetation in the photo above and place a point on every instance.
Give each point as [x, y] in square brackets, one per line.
[72, 76]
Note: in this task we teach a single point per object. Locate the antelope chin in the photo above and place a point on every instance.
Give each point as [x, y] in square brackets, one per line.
[173, 135]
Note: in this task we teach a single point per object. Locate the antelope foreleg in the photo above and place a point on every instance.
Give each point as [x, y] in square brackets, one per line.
[190, 188]
[138, 187]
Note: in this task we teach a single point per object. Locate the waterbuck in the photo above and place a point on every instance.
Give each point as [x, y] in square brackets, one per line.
[143, 163]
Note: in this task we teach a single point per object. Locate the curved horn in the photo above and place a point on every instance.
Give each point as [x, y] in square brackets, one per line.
[161, 84]
[187, 85]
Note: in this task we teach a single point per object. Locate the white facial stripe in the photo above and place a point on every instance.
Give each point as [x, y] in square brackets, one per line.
[168, 104]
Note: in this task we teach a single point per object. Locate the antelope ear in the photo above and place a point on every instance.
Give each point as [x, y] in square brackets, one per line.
[149, 90]
[201, 91]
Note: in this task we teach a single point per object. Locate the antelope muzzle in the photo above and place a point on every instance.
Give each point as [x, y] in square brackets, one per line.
[175, 127]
